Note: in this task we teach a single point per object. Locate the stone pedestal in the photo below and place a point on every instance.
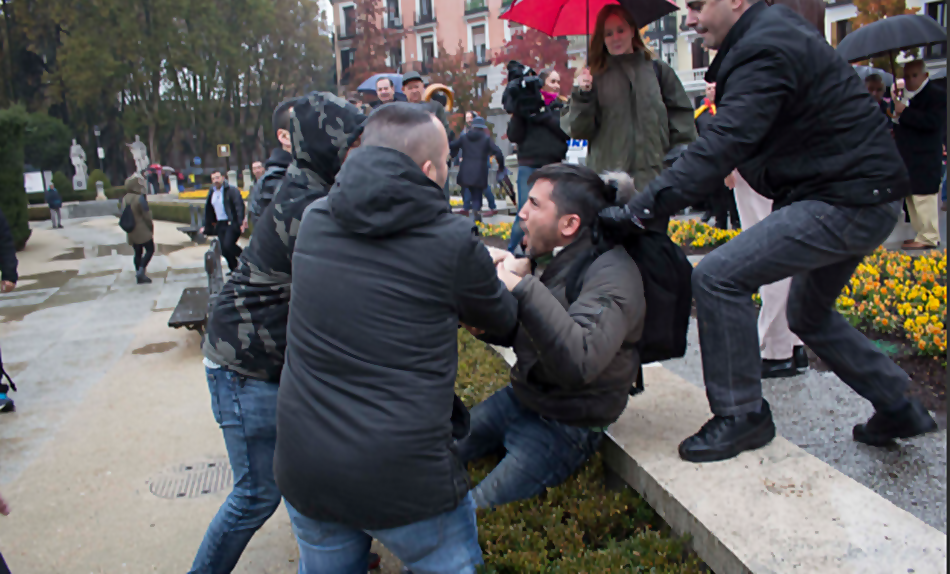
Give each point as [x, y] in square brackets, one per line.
[232, 178]
[173, 184]
[248, 183]
[100, 191]
[79, 183]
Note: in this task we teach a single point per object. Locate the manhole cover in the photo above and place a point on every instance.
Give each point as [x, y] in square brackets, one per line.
[192, 480]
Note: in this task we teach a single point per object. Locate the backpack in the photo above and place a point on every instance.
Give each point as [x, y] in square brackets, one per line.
[667, 288]
[127, 219]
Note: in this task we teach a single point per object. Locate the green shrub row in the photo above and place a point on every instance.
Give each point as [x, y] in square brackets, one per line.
[13, 201]
[66, 192]
[578, 527]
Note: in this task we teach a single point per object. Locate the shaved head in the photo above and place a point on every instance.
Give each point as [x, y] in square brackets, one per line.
[412, 130]
[407, 128]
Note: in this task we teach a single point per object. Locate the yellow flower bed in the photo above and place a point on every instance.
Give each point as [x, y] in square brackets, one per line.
[203, 194]
[502, 230]
[694, 233]
[456, 202]
[896, 293]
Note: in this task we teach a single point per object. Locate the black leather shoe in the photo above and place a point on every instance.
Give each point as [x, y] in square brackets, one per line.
[722, 438]
[908, 422]
[800, 357]
[775, 369]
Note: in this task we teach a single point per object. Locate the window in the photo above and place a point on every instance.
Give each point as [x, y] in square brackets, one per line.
[839, 30]
[700, 54]
[481, 86]
[349, 21]
[937, 11]
[478, 43]
[395, 57]
[513, 30]
[392, 14]
[346, 60]
[426, 14]
[428, 50]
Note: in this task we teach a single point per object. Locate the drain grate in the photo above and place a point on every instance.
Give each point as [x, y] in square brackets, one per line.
[191, 480]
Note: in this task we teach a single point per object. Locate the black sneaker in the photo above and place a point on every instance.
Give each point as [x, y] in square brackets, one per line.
[800, 357]
[7, 405]
[882, 428]
[776, 369]
[141, 279]
[722, 438]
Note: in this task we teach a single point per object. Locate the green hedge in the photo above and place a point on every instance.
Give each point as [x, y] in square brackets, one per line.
[39, 213]
[578, 527]
[13, 199]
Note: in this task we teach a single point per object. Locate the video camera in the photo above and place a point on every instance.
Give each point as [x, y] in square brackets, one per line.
[522, 95]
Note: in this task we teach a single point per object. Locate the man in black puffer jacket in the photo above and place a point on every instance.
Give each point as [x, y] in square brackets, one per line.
[244, 346]
[276, 166]
[797, 122]
[476, 146]
[367, 416]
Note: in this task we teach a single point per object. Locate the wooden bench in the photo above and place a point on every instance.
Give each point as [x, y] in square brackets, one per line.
[195, 304]
[197, 216]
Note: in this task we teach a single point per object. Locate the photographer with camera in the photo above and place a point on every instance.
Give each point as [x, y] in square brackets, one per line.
[538, 134]
[631, 108]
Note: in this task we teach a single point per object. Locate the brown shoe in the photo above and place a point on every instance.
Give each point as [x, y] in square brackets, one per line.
[907, 242]
[917, 245]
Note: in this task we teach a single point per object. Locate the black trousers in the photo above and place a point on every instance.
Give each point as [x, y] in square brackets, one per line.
[143, 254]
[228, 235]
[724, 208]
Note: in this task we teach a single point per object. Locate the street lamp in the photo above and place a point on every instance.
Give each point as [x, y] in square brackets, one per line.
[99, 152]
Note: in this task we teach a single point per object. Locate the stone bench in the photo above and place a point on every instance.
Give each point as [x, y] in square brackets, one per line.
[194, 306]
[193, 230]
[774, 510]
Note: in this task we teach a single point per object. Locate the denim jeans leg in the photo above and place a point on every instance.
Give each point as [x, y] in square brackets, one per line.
[540, 454]
[246, 410]
[327, 547]
[444, 544]
[797, 239]
[466, 199]
[491, 198]
[489, 420]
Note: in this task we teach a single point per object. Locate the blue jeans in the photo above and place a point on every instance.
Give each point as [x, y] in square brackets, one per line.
[467, 199]
[246, 411]
[443, 544]
[539, 453]
[517, 234]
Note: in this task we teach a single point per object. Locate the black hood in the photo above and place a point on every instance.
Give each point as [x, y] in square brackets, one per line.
[381, 191]
[321, 124]
[476, 135]
[279, 158]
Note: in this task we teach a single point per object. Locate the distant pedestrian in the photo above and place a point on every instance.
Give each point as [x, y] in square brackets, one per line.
[385, 91]
[224, 217]
[55, 202]
[140, 238]
[257, 169]
[921, 120]
[476, 147]
[414, 87]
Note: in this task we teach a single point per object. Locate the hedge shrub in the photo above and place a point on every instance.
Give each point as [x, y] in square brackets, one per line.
[578, 527]
[46, 143]
[39, 212]
[95, 176]
[13, 199]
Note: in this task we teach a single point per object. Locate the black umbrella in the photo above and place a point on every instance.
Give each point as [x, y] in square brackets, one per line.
[890, 35]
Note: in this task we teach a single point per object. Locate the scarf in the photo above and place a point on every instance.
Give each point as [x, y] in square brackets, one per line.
[549, 97]
[707, 106]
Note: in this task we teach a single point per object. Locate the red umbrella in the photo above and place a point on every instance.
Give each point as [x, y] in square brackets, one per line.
[572, 17]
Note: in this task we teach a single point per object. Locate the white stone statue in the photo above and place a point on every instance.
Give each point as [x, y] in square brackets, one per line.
[232, 179]
[139, 154]
[248, 182]
[78, 157]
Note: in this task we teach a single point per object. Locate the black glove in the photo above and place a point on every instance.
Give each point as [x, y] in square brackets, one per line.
[619, 220]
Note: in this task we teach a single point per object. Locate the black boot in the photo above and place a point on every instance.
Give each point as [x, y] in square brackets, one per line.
[800, 357]
[722, 438]
[778, 368]
[6, 403]
[907, 422]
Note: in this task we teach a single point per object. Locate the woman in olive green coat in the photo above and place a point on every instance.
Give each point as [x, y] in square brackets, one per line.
[141, 237]
[631, 109]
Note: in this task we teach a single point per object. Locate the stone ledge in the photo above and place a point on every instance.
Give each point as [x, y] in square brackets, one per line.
[774, 510]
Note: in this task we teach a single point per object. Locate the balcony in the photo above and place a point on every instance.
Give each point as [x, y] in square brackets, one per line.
[393, 22]
[481, 55]
[475, 7]
[424, 67]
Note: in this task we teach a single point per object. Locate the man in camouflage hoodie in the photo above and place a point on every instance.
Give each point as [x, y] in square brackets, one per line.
[244, 347]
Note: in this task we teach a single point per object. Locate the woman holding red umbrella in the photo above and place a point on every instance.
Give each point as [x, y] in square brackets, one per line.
[631, 109]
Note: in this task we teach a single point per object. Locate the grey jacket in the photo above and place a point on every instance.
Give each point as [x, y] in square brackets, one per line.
[577, 363]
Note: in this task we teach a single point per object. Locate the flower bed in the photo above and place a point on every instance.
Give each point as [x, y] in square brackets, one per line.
[203, 194]
[578, 527]
[694, 236]
[502, 230]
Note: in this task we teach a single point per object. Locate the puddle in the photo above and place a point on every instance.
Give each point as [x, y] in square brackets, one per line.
[155, 348]
[93, 251]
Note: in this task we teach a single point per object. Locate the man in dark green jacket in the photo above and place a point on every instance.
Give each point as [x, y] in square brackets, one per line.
[577, 360]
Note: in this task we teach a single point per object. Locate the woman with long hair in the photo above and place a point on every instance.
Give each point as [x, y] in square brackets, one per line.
[631, 109]
[540, 141]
